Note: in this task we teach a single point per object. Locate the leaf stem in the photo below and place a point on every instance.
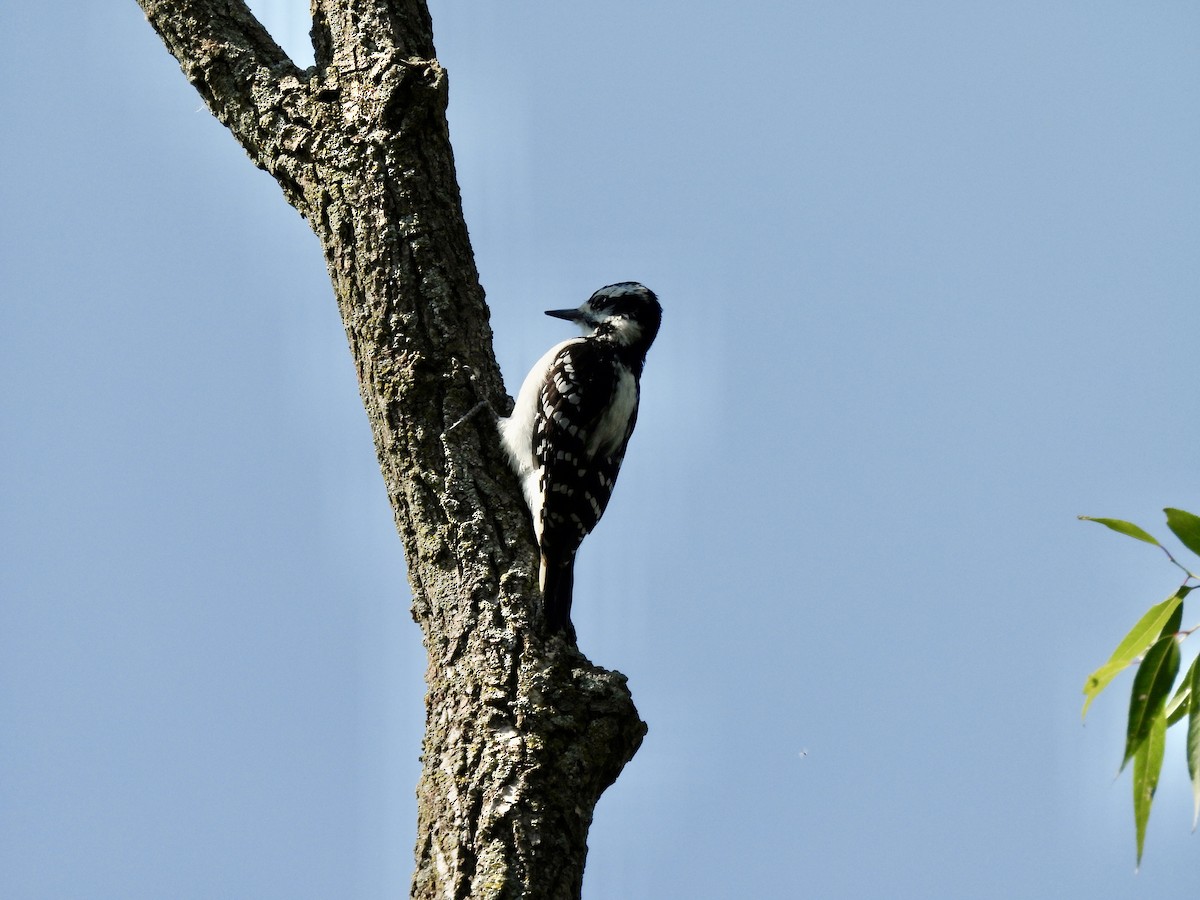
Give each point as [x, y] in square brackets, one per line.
[1190, 576]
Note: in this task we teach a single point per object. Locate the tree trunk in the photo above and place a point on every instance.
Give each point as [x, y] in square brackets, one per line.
[523, 734]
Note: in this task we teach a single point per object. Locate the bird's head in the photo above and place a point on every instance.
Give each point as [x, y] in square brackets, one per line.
[626, 313]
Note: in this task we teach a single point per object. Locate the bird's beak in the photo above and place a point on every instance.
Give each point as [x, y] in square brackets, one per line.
[571, 315]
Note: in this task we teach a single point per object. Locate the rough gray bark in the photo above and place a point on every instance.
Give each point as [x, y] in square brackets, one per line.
[523, 734]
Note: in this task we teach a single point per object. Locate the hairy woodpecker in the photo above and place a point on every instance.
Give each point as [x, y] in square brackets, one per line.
[572, 420]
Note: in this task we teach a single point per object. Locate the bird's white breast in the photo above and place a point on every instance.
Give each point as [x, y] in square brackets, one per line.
[614, 425]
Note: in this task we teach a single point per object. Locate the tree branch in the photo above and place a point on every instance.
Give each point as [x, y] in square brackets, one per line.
[523, 734]
[227, 56]
[345, 32]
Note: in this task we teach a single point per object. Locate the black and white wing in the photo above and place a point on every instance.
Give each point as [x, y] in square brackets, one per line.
[586, 412]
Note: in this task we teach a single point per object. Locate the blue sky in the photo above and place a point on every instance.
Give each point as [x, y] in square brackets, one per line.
[929, 273]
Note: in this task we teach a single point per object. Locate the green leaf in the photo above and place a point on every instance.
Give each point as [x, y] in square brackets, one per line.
[1186, 527]
[1153, 682]
[1123, 527]
[1179, 705]
[1175, 621]
[1147, 630]
[1147, 764]
[1193, 741]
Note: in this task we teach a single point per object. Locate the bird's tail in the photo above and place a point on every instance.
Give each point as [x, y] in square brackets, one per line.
[558, 582]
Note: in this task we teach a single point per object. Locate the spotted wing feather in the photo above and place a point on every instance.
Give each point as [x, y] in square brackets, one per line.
[579, 443]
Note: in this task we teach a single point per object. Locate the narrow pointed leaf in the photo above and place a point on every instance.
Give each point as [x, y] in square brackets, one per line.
[1151, 685]
[1147, 765]
[1123, 527]
[1175, 621]
[1147, 630]
[1193, 742]
[1180, 704]
[1186, 527]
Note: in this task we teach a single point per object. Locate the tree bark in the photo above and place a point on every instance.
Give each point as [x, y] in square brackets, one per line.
[523, 734]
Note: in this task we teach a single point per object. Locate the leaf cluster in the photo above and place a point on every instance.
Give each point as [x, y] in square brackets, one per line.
[1153, 646]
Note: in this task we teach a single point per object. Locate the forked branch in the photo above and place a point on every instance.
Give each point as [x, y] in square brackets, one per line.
[522, 733]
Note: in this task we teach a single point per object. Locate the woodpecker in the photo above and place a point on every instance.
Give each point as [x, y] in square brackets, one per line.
[570, 426]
